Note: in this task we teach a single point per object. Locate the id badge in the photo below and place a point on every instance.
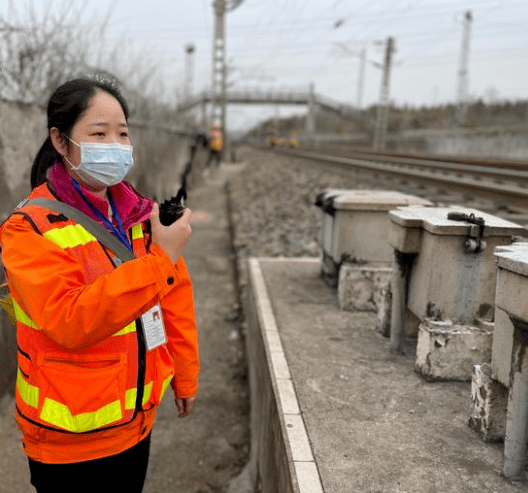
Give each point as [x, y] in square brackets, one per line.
[153, 327]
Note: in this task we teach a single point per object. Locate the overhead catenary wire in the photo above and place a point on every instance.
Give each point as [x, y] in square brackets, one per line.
[323, 21]
[295, 53]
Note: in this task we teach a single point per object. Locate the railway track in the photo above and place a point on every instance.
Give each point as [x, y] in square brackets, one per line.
[347, 150]
[504, 187]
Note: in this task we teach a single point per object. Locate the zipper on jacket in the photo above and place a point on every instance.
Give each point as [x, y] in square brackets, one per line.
[142, 363]
[23, 353]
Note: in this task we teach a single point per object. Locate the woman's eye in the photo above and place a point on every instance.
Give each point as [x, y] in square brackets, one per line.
[100, 134]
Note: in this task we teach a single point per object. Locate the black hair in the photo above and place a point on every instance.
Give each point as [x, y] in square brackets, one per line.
[65, 107]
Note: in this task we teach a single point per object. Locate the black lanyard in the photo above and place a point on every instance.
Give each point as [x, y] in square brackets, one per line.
[118, 232]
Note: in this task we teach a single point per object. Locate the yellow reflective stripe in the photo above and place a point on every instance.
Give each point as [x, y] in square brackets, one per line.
[28, 393]
[59, 415]
[131, 327]
[130, 399]
[137, 231]
[147, 392]
[165, 385]
[22, 317]
[131, 396]
[70, 236]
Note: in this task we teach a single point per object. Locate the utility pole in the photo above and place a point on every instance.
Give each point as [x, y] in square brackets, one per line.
[363, 58]
[382, 119]
[218, 98]
[310, 119]
[189, 72]
[218, 90]
[463, 83]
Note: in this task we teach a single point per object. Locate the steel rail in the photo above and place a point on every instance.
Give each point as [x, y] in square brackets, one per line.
[344, 150]
[480, 180]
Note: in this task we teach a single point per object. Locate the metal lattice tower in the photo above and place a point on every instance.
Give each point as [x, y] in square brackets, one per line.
[363, 58]
[189, 72]
[463, 79]
[219, 69]
[382, 119]
[218, 91]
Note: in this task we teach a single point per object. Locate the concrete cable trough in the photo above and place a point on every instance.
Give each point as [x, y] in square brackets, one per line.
[335, 410]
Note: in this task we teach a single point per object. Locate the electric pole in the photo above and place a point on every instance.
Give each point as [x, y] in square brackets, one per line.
[189, 72]
[218, 97]
[219, 70]
[362, 57]
[382, 119]
[310, 119]
[463, 83]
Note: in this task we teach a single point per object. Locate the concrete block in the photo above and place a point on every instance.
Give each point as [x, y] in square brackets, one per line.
[298, 441]
[350, 212]
[367, 288]
[287, 396]
[355, 226]
[447, 277]
[489, 401]
[308, 477]
[448, 351]
[502, 348]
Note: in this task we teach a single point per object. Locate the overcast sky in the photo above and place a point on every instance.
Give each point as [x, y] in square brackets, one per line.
[292, 43]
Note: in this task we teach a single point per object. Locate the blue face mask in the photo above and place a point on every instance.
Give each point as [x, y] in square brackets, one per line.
[106, 164]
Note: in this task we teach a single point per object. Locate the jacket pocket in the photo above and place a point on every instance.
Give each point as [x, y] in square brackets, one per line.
[82, 393]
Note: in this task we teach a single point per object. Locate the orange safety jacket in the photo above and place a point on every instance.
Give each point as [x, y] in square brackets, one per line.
[217, 143]
[86, 385]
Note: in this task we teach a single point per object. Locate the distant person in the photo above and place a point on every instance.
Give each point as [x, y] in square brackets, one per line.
[99, 341]
[216, 146]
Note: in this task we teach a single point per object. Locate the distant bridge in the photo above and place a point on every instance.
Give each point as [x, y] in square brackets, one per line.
[275, 97]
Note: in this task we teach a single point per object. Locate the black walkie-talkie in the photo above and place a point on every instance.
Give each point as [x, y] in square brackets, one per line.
[172, 209]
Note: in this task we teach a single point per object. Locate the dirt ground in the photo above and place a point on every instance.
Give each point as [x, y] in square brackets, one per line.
[201, 453]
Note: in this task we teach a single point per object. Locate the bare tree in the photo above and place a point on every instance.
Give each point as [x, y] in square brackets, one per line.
[39, 50]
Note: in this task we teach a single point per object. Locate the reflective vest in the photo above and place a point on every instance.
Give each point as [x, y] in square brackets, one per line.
[217, 143]
[98, 387]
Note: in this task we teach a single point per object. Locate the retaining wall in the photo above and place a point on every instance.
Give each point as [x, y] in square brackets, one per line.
[492, 142]
[495, 142]
[270, 463]
[281, 457]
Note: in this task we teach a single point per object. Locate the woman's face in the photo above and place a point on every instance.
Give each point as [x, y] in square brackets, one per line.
[103, 121]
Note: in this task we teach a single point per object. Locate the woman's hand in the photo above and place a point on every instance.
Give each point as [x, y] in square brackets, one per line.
[184, 406]
[172, 239]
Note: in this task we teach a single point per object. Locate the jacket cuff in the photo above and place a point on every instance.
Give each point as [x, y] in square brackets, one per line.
[184, 389]
[165, 269]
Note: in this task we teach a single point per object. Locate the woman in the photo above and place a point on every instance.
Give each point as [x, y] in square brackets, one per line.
[95, 356]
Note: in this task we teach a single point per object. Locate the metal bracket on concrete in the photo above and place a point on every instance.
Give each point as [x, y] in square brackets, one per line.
[474, 242]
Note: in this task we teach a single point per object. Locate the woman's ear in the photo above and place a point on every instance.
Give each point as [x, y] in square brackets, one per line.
[59, 141]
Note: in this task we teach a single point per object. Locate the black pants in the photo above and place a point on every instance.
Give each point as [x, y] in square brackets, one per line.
[122, 472]
[214, 156]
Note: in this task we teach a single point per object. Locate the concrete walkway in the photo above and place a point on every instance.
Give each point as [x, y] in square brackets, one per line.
[349, 406]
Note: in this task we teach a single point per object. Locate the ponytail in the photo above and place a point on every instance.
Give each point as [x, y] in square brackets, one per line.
[46, 157]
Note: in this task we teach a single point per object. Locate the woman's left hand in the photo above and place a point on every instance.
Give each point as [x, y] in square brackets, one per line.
[184, 406]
